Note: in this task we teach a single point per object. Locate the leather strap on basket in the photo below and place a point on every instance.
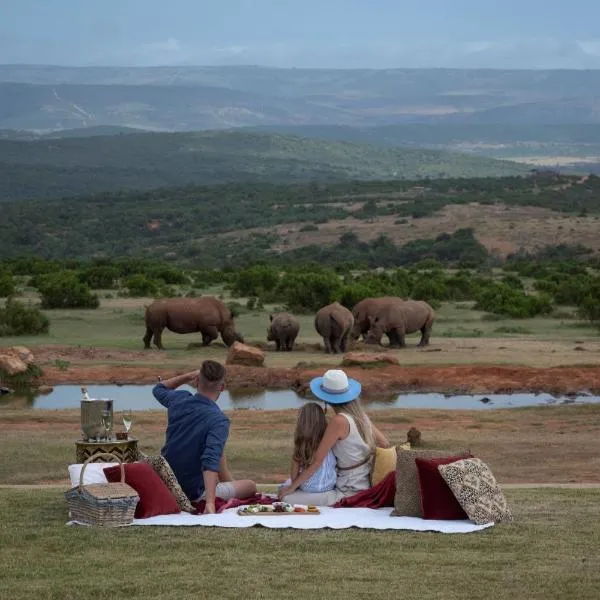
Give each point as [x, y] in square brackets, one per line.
[94, 456]
[360, 464]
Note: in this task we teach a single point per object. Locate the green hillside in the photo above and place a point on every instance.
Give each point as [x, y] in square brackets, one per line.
[47, 168]
[209, 225]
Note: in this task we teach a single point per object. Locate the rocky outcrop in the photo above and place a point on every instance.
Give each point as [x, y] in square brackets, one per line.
[242, 354]
[368, 358]
[15, 361]
[11, 365]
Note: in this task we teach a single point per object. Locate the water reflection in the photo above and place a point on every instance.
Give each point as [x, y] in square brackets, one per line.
[139, 397]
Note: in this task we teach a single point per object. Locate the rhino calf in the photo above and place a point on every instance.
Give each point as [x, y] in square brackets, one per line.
[283, 330]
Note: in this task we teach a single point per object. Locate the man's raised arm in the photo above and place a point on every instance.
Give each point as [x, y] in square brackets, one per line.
[162, 390]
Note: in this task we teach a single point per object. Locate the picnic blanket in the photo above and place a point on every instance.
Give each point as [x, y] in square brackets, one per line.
[330, 518]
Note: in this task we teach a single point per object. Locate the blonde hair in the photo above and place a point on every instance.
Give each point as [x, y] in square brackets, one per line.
[363, 423]
[310, 429]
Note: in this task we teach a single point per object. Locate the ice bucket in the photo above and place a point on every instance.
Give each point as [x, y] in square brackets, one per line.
[91, 418]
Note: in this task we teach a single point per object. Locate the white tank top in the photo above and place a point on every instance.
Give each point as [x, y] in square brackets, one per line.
[351, 451]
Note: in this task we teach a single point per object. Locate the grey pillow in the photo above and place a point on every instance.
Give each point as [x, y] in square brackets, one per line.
[407, 502]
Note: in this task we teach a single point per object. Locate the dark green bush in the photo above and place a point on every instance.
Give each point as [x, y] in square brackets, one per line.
[64, 290]
[18, 319]
[100, 277]
[502, 299]
[7, 285]
[140, 286]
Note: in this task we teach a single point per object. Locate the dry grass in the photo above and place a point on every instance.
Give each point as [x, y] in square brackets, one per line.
[500, 228]
[545, 444]
[549, 552]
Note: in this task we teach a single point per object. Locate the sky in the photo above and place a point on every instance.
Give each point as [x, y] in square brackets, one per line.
[303, 33]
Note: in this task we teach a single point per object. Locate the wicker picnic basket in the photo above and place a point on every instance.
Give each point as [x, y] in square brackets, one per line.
[103, 504]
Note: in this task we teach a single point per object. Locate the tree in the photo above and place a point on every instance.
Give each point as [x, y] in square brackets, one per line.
[64, 290]
[18, 319]
[7, 285]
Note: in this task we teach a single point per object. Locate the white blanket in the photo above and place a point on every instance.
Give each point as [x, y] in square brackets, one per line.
[332, 518]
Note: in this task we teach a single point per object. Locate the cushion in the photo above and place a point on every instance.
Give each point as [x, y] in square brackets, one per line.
[437, 500]
[94, 473]
[164, 471]
[477, 490]
[407, 502]
[385, 462]
[155, 497]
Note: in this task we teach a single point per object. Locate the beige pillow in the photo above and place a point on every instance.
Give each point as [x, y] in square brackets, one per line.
[407, 502]
[385, 462]
[477, 491]
[164, 471]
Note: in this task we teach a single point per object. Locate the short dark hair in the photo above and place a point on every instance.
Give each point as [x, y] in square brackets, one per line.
[212, 373]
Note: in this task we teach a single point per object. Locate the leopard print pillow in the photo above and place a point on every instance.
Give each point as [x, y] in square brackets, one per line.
[164, 471]
[477, 491]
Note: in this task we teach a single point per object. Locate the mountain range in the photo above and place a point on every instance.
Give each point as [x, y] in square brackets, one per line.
[46, 98]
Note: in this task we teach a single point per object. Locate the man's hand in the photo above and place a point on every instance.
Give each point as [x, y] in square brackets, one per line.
[209, 508]
[285, 491]
[174, 382]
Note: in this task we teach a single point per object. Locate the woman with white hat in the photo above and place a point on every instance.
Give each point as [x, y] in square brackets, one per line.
[351, 436]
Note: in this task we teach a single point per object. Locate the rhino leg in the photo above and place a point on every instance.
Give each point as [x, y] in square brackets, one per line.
[396, 338]
[278, 344]
[289, 344]
[147, 338]
[336, 344]
[344, 342]
[158, 338]
[209, 334]
[327, 344]
[425, 333]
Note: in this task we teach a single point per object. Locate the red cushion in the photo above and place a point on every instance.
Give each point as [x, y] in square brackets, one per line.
[155, 497]
[437, 499]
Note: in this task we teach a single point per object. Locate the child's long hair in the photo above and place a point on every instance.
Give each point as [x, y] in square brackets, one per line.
[310, 429]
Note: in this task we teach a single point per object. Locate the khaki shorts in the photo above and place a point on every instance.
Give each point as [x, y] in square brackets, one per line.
[225, 490]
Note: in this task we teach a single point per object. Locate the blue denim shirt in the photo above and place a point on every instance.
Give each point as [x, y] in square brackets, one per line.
[197, 431]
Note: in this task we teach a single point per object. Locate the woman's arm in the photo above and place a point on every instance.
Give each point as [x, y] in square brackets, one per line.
[294, 470]
[224, 473]
[337, 429]
[380, 439]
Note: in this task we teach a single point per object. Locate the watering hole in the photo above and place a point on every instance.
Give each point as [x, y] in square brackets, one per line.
[139, 397]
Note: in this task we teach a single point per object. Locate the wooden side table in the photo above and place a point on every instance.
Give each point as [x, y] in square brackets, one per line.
[126, 450]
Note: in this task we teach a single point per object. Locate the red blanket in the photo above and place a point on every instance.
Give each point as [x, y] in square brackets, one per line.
[221, 504]
[378, 496]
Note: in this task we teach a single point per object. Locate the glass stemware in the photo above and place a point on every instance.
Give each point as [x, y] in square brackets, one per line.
[106, 423]
[127, 420]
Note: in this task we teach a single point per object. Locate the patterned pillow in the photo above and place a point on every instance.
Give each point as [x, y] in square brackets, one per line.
[476, 490]
[407, 502]
[164, 471]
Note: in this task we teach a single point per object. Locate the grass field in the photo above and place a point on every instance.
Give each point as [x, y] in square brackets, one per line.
[461, 335]
[550, 551]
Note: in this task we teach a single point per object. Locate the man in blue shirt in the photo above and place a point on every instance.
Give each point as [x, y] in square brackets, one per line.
[197, 431]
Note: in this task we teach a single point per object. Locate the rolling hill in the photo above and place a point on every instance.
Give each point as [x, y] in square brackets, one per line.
[55, 167]
[47, 98]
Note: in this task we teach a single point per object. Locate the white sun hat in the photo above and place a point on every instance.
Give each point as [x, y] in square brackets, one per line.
[335, 387]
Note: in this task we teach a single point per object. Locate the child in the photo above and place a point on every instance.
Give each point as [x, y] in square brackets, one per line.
[310, 429]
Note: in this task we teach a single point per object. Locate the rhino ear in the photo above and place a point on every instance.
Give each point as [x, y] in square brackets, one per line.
[271, 318]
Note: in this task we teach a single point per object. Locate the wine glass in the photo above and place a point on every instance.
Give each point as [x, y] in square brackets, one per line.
[127, 420]
[106, 422]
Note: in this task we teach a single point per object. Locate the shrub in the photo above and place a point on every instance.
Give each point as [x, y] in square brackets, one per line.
[18, 319]
[502, 299]
[7, 285]
[140, 286]
[64, 290]
[309, 291]
[309, 227]
[100, 277]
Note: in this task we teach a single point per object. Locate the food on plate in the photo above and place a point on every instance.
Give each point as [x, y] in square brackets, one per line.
[312, 508]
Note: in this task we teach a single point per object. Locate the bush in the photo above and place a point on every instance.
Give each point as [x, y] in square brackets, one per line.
[64, 290]
[100, 277]
[589, 306]
[18, 319]
[7, 285]
[502, 299]
[309, 291]
[140, 286]
[258, 280]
